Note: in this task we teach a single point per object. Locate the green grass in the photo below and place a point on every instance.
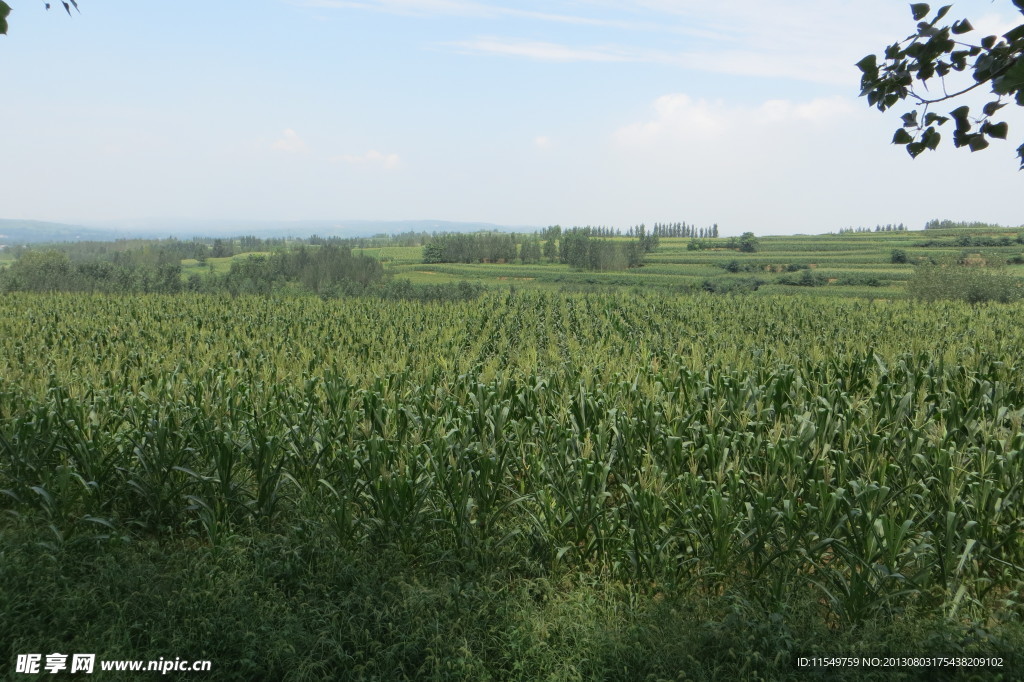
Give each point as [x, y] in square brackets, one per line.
[259, 611]
[219, 266]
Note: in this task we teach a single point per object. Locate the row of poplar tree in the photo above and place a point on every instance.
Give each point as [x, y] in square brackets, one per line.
[585, 248]
[684, 230]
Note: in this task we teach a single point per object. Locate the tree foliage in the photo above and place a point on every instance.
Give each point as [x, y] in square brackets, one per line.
[941, 52]
[581, 250]
[748, 242]
[327, 269]
[481, 247]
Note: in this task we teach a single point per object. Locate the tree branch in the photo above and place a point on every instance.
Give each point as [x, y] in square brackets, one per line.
[922, 100]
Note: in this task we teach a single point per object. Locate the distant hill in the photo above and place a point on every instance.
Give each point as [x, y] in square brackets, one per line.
[35, 231]
[296, 228]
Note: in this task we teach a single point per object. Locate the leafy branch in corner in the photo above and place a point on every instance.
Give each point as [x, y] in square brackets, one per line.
[5, 9]
[938, 55]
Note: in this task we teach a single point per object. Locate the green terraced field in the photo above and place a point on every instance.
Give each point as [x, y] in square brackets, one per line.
[857, 264]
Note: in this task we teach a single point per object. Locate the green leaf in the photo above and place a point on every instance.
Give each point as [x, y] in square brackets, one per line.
[943, 11]
[902, 137]
[1011, 81]
[961, 27]
[992, 107]
[920, 10]
[1014, 34]
[960, 113]
[910, 120]
[915, 149]
[868, 65]
[998, 130]
[977, 143]
[5, 9]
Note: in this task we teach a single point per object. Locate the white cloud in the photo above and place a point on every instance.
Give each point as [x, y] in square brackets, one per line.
[770, 166]
[825, 68]
[409, 7]
[806, 40]
[290, 142]
[372, 158]
[465, 8]
[990, 24]
[678, 118]
[820, 111]
[543, 51]
[542, 142]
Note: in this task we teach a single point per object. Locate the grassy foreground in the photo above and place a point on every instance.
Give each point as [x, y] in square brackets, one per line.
[527, 486]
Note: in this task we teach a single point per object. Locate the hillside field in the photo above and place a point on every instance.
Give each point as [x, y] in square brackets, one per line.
[856, 264]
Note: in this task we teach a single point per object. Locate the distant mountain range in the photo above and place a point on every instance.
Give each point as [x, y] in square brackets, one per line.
[36, 231]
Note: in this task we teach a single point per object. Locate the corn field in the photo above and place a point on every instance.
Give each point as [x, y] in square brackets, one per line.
[870, 453]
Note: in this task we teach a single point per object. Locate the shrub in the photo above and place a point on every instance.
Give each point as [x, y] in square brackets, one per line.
[748, 242]
[732, 285]
[857, 280]
[807, 278]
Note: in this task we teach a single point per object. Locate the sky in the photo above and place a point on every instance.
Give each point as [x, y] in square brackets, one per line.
[742, 113]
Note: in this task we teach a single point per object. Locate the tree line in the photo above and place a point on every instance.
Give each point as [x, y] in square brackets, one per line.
[683, 230]
[326, 270]
[329, 270]
[579, 249]
[878, 228]
[962, 224]
[584, 248]
[480, 247]
[53, 270]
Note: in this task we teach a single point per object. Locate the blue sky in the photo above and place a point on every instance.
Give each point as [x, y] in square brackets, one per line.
[610, 112]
